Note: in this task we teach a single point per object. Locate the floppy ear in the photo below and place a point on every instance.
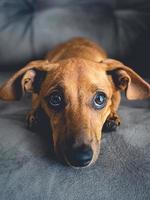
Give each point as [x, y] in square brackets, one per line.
[28, 79]
[128, 80]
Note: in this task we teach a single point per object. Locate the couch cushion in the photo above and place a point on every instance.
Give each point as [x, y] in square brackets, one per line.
[28, 28]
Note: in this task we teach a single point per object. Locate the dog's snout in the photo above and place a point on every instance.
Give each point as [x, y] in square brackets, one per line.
[80, 156]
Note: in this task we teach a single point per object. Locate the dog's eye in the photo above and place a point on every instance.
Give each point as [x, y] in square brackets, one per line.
[99, 100]
[56, 100]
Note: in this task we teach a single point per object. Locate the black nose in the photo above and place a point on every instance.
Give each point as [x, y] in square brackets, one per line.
[79, 156]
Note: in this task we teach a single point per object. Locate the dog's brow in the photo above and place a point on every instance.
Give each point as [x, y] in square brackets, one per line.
[95, 88]
[55, 86]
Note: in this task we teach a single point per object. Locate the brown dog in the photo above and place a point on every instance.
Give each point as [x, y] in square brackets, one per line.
[79, 90]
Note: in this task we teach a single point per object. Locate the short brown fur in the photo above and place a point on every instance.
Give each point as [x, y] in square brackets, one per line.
[80, 68]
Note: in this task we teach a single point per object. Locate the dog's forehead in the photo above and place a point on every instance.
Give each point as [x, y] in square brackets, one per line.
[86, 75]
[78, 73]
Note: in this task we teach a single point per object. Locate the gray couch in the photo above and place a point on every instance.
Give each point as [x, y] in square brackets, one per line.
[28, 170]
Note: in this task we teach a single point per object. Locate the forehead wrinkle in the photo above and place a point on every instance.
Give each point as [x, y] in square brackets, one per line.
[84, 81]
[73, 84]
[51, 82]
[88, 82]
[54, 86]
[99, 81]
[80, 75]
[70, 90]
[97, 87]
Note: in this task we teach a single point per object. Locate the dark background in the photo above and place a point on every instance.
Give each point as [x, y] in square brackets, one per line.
[29, 28]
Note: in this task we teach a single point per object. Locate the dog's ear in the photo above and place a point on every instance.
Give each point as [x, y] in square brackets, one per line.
[28, 79]
[128, 80]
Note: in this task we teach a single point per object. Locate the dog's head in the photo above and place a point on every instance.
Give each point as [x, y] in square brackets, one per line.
[77, 95]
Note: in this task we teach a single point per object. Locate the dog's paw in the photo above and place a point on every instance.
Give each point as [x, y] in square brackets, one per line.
[32, 121]
[37, 120]
[112, 123]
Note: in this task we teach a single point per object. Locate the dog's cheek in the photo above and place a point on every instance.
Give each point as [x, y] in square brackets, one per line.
[57, 124]
[102, 116]
[105, 113]
[98, 124]
[96, 151]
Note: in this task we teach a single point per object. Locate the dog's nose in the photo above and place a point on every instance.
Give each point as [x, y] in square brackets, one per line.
[80, 156]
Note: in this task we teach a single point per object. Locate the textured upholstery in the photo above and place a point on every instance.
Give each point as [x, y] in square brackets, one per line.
[29, 28]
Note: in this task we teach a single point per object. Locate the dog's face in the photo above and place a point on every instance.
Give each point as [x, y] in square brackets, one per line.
[77, 102]
[76, 94]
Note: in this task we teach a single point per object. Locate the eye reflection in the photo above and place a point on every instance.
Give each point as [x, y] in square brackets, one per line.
[99, 100]
[56, 100]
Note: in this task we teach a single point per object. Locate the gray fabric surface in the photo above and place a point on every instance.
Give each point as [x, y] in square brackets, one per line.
[122, 171]
[29, 28]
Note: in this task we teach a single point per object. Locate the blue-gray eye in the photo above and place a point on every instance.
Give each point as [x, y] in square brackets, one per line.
[99, 100]
[56, 100]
